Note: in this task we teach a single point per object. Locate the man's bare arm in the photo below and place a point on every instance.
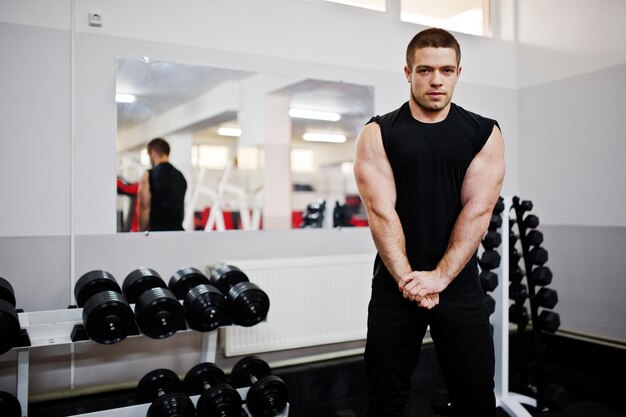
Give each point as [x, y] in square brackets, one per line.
[144, 196]
[479, 193]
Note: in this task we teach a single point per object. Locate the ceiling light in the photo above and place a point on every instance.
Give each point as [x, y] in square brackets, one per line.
[314, 114]
[229, 131]
[125, 98]
[324, 137]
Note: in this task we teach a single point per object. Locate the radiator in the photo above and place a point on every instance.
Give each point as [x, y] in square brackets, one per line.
[313, 301]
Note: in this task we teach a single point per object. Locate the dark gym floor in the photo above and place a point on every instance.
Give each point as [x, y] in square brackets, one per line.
[593, 375]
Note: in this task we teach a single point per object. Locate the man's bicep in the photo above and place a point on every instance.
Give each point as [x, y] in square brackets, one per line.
[483, 179]
[144, 192]
[372, 170]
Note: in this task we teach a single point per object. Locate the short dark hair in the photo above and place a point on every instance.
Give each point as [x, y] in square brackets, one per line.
[160, 146]
[435, 38]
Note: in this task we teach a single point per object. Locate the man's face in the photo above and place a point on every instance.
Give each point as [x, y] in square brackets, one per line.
[433, 77]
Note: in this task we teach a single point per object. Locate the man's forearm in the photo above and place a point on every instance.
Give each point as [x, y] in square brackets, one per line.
[389, 240]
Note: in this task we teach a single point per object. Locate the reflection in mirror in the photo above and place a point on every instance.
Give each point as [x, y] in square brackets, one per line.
[258, 151]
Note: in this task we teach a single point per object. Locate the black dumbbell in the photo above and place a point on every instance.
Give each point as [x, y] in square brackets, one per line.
[10, 328]
[538, 256]
[516, 274]
[217, 398]
[205, 306]
[492, 240]
[549, 321]
[490, 259]
[541, 276]
[268, 394]
[526, 205]
[107, 316]
[499, 206]
[495, 222]
[518, 292]
[531, 221]
[514, 256]
[248, 304]
[488, 281]
[534, 238]
[157, 311]
[547, 298]
[491, 304]
[518, 314]
[163, 389]
[512, 239]
[9, 405]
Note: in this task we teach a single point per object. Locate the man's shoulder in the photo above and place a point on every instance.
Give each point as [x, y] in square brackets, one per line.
[472, 117]
[391, 116]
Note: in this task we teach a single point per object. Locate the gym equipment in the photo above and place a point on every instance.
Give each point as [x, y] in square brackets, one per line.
[516, 274]
[9, 321]
[157, 311]
[488, 281]
[9, 405]
[531, 221]
[538, 256]
[268, 394]
[525, 205]
[547, 298]
[549, 321]
[248, 303]
[518, 314]
[499, 206]
[491, 304]
[518, 292]
[514, 256]
[205, 306]
[495, 222]
[541, 276]
[512, 239]
[534, 238]
[490, 259]
[107, 316]
[217, 398]
[313, 215]
[492, 240]
[164, 390]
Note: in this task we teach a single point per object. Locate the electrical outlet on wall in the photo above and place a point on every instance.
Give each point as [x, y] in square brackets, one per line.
[95, 19]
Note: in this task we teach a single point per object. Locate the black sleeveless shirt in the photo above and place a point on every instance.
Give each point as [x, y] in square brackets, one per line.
[429, 161]
[167, 203]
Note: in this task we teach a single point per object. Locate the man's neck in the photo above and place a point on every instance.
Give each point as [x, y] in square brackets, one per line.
[160, 159]
[427, 116]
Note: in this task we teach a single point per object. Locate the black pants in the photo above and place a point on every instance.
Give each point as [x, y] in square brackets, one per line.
[459, 327]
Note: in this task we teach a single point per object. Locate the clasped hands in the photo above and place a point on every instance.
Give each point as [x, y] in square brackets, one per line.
[423, 287]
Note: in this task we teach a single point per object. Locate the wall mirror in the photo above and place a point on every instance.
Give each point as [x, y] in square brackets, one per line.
[259, 151]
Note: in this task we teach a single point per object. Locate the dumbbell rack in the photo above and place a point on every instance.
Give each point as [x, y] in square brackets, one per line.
[509, 401]
[56, 328]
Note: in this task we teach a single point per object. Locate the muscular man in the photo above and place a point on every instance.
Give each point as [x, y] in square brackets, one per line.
[429, 174]
[161, 191]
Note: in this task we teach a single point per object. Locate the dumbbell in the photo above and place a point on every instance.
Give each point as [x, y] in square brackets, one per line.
[531, 221]
[495, 222]
[107, 316]
[518, 292]
[9, 320]
[490, 259]
[534, 237]
[526, 205]
[157, 311]
[538, 256]
[516, 274]
[541, 276]
[488, 281]
[547, 298]
[217, 398]
[205, 306]
[492, 240]
[9, 405]
[268, 394]
[512, 239]
[514, 256]
[518, 314]
[491, 304]
[248, 303]
[163, 389]
[549, 321]
[499, 206]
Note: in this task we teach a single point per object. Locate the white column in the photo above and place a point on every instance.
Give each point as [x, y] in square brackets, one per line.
[180, 153]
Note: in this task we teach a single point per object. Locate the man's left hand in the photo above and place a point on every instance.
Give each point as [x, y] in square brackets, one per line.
[418, 284]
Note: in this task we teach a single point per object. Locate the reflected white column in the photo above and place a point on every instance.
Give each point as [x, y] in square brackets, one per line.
[180, 157]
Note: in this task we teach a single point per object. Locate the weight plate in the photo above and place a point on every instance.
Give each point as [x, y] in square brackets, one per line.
[202, 377]
[250, 366]
[9, 405]
[159, 314]
[268, 397]
[6, 292]
[248, 304]
[227, 276]
[108, 318]
[140, 280]
[9, 326]
[156, 384]
[221, 400]
[205, 308]
[184, 279]
[172, 405]
[92, 283]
